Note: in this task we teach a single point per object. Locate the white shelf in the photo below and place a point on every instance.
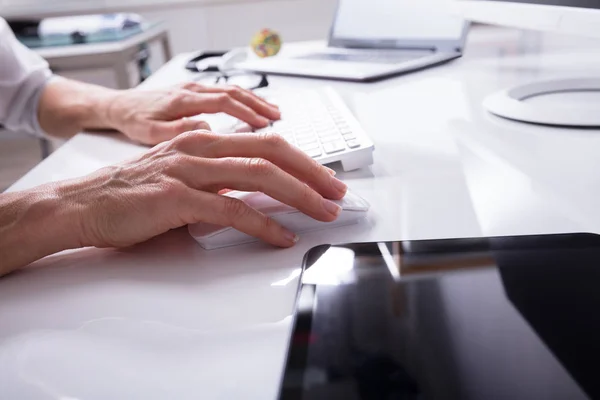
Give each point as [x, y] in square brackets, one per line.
[44, 8]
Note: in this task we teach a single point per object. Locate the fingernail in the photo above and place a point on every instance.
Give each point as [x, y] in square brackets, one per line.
[290, 236]
[331, 207]
[263, 121]
[203, 125]
[331, 172]
[339, 185]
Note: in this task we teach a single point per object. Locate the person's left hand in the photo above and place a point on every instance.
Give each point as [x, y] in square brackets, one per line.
[152, 117]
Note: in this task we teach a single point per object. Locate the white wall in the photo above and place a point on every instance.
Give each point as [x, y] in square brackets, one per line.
[228, 25]
[200, 26]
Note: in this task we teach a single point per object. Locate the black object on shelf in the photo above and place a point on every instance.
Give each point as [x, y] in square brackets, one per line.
[25, 28]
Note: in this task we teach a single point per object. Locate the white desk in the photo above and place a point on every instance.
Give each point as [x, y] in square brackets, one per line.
[166, 319]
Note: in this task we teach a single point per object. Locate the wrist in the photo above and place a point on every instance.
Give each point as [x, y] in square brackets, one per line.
[100, 113]
[68, 107]
[33, 224]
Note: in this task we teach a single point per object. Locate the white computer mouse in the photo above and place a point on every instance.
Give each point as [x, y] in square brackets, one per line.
[210, 236]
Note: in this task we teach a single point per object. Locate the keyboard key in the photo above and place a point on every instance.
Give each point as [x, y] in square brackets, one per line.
[304, 131]
[328, 139]
[268, 129]
[313, 152]
[281, 124]
[334, 147]
[309, 146]
[328, 132]
[306, 140]
[302, 126]
[310, 133]
[353, 143]
[349, 136]
[345, 130]
[324, 127]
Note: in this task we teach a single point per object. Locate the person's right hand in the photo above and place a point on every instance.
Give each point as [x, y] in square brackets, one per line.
[178, 183]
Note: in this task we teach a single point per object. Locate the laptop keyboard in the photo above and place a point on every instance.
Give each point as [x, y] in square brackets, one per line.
[367, 57]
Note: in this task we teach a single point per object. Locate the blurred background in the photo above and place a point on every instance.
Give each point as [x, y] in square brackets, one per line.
[180, 25]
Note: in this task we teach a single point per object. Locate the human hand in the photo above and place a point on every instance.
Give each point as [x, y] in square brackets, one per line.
[178, 183]
[151, 117]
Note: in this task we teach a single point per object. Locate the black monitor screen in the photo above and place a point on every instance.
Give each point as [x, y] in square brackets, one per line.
[565, 3]
[486, 318]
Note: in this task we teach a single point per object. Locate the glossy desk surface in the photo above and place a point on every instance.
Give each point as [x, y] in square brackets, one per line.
[167, 319]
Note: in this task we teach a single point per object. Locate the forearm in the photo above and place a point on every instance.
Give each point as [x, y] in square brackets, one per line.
[67, 107]
[34, 224]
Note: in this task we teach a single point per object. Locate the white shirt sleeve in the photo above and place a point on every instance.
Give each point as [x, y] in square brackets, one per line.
[23, 76]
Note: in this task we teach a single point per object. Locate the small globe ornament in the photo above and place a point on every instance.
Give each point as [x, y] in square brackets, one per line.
[266, 43]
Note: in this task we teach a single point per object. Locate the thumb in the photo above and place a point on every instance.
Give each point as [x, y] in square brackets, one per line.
[188, 124]
[162, 131]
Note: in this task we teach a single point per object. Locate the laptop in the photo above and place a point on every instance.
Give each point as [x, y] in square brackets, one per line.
[375, 39]
[513, 317]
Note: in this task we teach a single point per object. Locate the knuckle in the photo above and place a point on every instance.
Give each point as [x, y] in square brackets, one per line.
[160, 148]
[207, 135]
[179, 98]
[183, 139]
[178, 127]
[188, 137]
[273, 140]
[233, 90]
[203, 127]
[172, 164]
[315, 169]
[171, 188]
[234, 209]
[260, 167]
[169, 146]
[268, 224]
[223, 99]
[154, 133]
[306, 195]
[190, 86]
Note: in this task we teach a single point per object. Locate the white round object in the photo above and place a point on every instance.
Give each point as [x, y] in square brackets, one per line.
[512, 103]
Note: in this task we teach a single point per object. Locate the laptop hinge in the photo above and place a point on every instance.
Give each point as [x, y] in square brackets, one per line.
[394, 45]
[449, 48]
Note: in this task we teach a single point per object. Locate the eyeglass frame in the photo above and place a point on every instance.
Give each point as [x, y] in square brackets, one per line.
[192, 65]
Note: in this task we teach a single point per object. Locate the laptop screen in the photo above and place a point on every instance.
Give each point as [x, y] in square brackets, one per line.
[394, 20]
[484, 318]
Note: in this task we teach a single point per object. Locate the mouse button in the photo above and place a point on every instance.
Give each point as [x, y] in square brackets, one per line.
[262, 202]
[203, 229]
[354, 202]
[297, 222]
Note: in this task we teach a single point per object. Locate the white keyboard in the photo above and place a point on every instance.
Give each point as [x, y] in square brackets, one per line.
[319, 123]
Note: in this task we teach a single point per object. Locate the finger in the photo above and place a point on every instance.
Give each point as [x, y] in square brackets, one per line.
[200, 88]
[161, 131]
[220, 102]
[199, 206]
[255, 175]
[244, 96]
[270, 147]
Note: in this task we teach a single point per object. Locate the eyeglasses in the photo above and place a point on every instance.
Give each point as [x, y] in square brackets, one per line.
[210, 74]
[243, 79]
